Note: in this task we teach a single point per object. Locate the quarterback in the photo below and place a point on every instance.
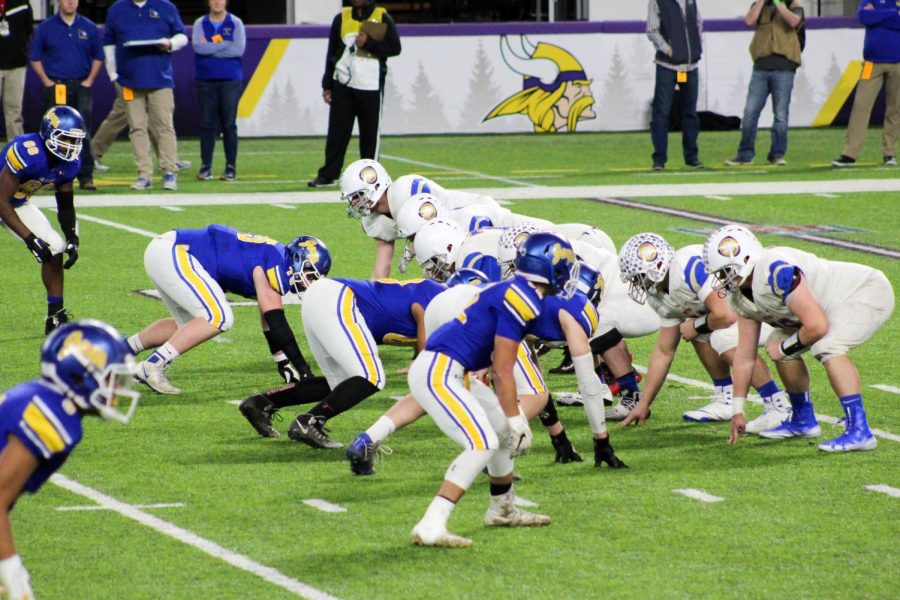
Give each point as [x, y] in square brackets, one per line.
[31, 163]
[194, 268]
[86, 369]
[815, 305]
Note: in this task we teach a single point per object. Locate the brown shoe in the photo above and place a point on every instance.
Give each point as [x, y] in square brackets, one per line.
[87, 185]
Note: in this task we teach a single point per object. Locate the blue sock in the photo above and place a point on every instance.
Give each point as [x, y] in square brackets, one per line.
[54, 305]
[725, 381]
[629, 382]
[802, 405]
[769, 389]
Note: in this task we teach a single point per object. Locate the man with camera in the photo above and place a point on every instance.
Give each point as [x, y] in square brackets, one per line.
[775, 49]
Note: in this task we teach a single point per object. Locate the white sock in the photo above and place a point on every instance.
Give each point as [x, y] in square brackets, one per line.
[165, 354]
[134, 342]
[381, 429]
[439, 511]
[723, 393]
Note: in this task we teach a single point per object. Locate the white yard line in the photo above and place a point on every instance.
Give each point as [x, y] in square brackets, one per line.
[884, 489]
[141, 506]
[532, 192]
[698, 495]
[717, 197]
[285, 206]
[455, 170]
[190, 538]
[172, 208]
[886, 388]
[324, 505]
[830, 196]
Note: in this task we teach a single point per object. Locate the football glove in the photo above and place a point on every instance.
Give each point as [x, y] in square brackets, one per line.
[604, 453]
[519, 435]
[409, 252]
[71, 251]
[565, 451]
[15, 578]
[39, 248]
[287, 371]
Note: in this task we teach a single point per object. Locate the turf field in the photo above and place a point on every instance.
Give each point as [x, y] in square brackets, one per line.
[792, 523]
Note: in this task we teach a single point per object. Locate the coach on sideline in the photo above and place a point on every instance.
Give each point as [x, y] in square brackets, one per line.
[362, 38]
[66, 54]
[139, 36]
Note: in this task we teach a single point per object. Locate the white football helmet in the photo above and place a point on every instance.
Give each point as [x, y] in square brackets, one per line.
[363, 184]
[437, 244]
[730, 253]
[417, 211]
[643, 263]
[508, 244]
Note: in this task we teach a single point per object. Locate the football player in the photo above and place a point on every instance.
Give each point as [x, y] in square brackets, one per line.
[489, 425]
[345, 321]
[373, 197]
[86, 369]
[821, 306]
[194, 268]
[676, 285]
[33, 162]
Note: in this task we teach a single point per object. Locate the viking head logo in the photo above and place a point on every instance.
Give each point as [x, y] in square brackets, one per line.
[729, 247]
[647, 252]
[555, 94]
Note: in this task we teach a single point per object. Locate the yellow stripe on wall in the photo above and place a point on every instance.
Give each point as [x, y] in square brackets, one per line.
[261, 77]
[44, 429]
[839, 95]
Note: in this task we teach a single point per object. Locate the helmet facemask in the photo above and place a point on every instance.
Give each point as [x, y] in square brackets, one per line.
[65, 145]
[438, 268]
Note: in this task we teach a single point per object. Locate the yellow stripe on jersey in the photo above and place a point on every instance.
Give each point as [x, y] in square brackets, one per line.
[217, 318]
[273, 280]
[358, 338]
[520, 303]
[44, 429]
[451, 403]
[532, 374]
[590, 311]
[12, 157]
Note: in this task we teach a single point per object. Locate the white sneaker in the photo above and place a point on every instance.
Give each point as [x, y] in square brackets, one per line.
[777, 411]
[153, 375]
[426, 534]
[621, 410]
[503, 512]
[717, 410]
[100, 167]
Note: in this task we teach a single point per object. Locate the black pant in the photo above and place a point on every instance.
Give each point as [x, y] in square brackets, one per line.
[218, 112]
[347, 105]
[80, 98]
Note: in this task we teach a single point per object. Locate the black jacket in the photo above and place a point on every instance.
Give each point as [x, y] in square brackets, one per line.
[14, 47]
[390, 46]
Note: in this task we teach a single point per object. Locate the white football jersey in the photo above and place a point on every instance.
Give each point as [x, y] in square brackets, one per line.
[689, 285]
[448, 305]
[585, 233]
[491, 214]
[831, 282]
[484, 242]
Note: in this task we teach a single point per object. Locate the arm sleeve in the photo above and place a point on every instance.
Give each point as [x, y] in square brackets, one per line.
[178, 41]
[235, 48]
[65, 203]
[873, 17]
[200, 47]
[335, 49]
[282, 338]
[390, 45]
[110, 53]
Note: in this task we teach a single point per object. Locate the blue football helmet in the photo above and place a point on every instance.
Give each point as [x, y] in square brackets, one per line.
[549, 259]
[62, 130]
[590, 282]
[468, 276]
[89, 363]
[308, 259]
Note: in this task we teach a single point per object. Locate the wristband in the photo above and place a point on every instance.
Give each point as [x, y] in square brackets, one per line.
[737, 405]
[792, 346]
[701, 326]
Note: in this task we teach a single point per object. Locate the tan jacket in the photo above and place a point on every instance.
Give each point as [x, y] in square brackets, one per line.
[775, 37]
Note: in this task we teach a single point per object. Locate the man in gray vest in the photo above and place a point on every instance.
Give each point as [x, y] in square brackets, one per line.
[675, 28]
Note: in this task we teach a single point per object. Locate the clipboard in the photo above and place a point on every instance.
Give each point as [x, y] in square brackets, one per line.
[374, 30]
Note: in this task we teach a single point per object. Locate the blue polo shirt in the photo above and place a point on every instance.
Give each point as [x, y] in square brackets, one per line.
[142, 67]
[66, 50]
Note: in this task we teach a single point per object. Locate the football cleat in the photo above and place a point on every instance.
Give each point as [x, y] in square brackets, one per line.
[625, 406]
[311, 431]
[424, 534]
[777, 411]
[566, 366]
[717, 410]
[792, 428]
[153, 375]
[361, 453]
[854, 439]
[604, 453]
[503, 512]
[57, 319]
[258, 410]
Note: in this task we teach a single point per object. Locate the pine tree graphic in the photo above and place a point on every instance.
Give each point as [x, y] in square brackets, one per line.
[617, 98]
[804, 106]
[272, 117]
[832, 76]
[427, 114]
[394, 111]
[483, 92]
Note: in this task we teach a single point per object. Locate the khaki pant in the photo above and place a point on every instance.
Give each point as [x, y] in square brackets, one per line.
[13, 89]
[110, 129]
[887, 74]
[151, 111]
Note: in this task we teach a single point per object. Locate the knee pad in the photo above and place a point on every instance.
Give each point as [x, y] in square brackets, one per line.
[548, 416]
[604, 342]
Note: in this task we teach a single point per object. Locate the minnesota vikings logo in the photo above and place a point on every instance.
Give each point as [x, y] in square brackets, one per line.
[729, 247]
[369, 175]
[647, 252]
[427, 211]
[555, 94]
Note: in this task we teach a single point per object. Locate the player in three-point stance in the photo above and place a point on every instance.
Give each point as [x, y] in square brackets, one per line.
[86, 369]
[822, 306]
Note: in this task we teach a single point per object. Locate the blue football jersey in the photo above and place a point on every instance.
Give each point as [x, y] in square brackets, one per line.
[230, 258]
[47, 423]
[386, 305]
[28, 159]
[547, 328]
[505, 309]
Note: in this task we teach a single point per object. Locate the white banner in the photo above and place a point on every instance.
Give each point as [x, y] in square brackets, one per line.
[583, 82]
